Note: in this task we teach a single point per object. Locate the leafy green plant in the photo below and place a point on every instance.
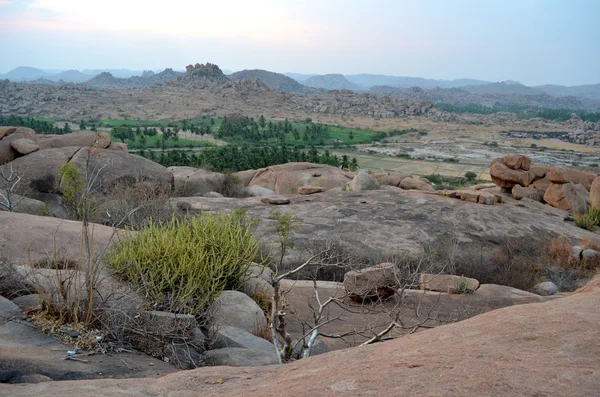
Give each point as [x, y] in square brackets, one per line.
[590, 220]
[182, 265]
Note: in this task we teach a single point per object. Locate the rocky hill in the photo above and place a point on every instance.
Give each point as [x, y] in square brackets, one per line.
[106, 80]
[488, 96]
[275, 81]
[331, 82]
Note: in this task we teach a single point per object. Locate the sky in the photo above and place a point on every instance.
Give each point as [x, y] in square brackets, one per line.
[530, 41]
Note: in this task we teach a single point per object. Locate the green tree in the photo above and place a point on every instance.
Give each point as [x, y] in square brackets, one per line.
[470, 176]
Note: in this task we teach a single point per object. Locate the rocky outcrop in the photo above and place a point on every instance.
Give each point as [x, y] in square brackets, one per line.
[504, 172]
[375, 282]
[595, 193]
[518, 192]
[25, 146]
[569, 175]
[409, 183]
[12, 135]
[362, 181]
[99, 140]
[448, 283]
[516, 338]
[569, 197]
[288, 178]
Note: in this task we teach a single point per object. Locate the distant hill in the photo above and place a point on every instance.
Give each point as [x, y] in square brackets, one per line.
[589, 91]
[332, 82]
[24, 73]
[299, 77]
[275, 81]
[70, 76]
[371, 80]
[120, 73]
[508, 87]
[107, 80]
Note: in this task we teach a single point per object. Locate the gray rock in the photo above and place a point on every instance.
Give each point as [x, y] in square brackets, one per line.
[275, 200]
[576, 252]
[182, 355]
[361, 182]
[589, 254]
[546, 288]
[238, 357]
[8, 310]
[27, 301]
[258, 191]
[228, 336]
[199, 341]
[319, 347]
[24, 205]
[378, 281]
[236, 309]
[258, 281]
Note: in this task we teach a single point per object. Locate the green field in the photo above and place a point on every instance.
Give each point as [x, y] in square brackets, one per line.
[155, 142]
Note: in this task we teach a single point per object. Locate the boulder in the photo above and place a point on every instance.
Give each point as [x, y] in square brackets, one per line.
[12, 134]
[25, 146]
[318, 347]
[563, 174]
[546, 288]
[568, 197]
[29, 301]
[576, 252]
[239, 357]
[258, 191]
[257, 281]
[447, 283]
[101, 140]
[375, 282]
[288, 178]
[236, 309]
[121, 168]
[595, 194]
[8, 310]
[244, 177]
[542, 184]
[416, 184]
[118, 146]
[539, 170]
[307, 190]
[381, 177]
[4, 131]
[396, 178]
[196, 182]
[228, 336]
[182, 355]
[213, 195]
[275, 200]
[361, 182]
[588, 254]
[506, 177]
[199, 341]
[517, 162]
[41, 168]
[519, 192]
[22, 204]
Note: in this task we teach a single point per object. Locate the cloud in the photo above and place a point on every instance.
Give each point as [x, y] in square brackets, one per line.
[4, 3]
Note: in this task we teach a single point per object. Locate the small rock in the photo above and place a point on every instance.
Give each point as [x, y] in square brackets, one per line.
[213, 195]
[576, 252]
[546, 288]
[275, 200]
[306, 190]
[228, 336]
[258, 191]
[182, 355]
[318, 347]
[448, 283]
[27, 301]
[361, 182]
[589, 254]
[236, 309]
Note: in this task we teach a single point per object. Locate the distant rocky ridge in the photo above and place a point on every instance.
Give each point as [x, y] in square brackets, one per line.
[275, 81]
[106, 80]
[332, 82]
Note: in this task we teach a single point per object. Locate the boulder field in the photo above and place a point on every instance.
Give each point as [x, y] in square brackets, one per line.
[534, 349]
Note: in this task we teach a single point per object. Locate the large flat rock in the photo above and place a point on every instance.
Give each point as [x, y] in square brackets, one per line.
[536, 349]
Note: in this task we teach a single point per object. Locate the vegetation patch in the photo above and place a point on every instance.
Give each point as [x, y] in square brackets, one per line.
[182, 265]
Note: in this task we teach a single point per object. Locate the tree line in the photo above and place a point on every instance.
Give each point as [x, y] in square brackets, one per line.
[39, 126]
[248, 129]
[240, 158]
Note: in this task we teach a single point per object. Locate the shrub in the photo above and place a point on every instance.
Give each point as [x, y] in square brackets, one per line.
[470, 176]
[589, 220]
[73, 187]
[182, 266]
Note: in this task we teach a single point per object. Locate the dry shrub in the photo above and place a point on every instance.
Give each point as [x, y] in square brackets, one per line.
[12, 282]
[560, 251]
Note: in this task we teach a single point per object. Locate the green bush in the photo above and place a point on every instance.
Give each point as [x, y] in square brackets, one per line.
[470, 176]
[589, 220]
[182, 265]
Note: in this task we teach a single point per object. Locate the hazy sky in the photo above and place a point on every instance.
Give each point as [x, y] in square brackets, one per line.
[532, 41]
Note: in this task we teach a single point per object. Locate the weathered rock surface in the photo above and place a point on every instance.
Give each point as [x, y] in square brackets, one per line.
[361, 182]
[307, 190]
[517, 162]
[416, 184]
[516, 339]
[507, 177]
[258, 281]
[288, 178]
[21, 204]
[569, 197]
[101, 140]
[191, 181]
[25, 146]
[237, 310]
[595, 193]
[258, 191]
[396, 178]
[239, 357]
[546, 288]
[447, 283]
[519, 192]
[568, 175]
[8, 136]
[375, 282]
[228, 336]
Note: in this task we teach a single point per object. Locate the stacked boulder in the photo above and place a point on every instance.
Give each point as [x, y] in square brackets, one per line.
[562, 187]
